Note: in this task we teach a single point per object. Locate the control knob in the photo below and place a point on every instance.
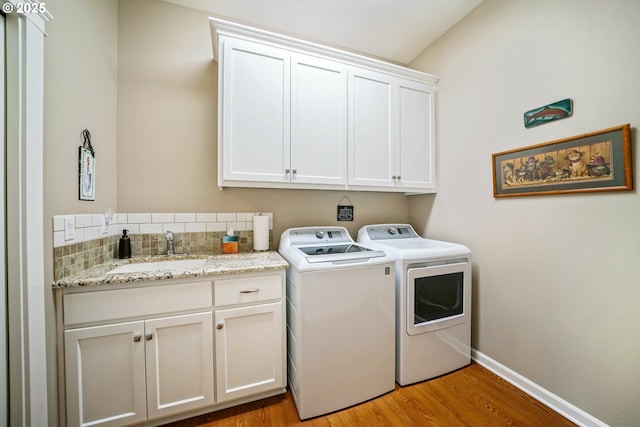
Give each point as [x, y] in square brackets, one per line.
[392, 230]
[319, 234]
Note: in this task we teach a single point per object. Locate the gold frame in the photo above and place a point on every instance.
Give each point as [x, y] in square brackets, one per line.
[592, 162]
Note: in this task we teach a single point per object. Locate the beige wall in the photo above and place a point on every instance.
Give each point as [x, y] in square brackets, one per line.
[140, 76]
[80, 91]
[167, 130]
[141, 73]
[555, 277]
[555, 289]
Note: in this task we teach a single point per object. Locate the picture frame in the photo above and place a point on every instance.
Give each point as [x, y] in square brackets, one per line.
[87, 174]
[592, 162]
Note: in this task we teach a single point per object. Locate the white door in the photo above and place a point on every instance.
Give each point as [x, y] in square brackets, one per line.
[371, 128]
[254, 112]
[105, 375]
[318, 121]
[179, 354]
[415, 148]
[249, 351]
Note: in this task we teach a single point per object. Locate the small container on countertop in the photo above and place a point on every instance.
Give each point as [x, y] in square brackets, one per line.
[230, 243]
[124, 249]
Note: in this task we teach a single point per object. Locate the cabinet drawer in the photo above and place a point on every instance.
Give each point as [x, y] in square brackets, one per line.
[113, 304]
[247, 290]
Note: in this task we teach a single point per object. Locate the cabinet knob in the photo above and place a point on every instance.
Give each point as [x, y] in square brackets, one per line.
[137, 338]
[148, 337]
[287, 170]
[398, 177]
[219, 326]
[394, 177]
[295, 171]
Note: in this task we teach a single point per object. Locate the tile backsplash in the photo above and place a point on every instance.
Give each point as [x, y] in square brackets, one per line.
[91, 242]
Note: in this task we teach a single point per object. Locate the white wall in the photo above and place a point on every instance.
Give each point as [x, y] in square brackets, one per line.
[556, 283]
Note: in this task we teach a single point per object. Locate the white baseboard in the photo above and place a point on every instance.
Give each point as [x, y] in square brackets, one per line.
[554, 402]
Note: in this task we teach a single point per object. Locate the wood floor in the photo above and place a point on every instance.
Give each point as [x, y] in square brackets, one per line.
[472, 396]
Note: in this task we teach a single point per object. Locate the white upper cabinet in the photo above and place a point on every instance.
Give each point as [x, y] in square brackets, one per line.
[415, 140]
[283, 117]
[318, 121]
[294, 114]
[391, 141]
[255, 113]
[371, 129]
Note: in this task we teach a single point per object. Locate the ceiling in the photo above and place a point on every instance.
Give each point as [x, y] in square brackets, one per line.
[395, 30]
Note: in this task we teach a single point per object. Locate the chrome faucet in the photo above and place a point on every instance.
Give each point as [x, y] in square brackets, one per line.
[169, 236]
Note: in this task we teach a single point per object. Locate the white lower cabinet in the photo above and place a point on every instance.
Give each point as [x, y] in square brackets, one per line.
[179, 351]
[249, 356]
[150, 354]
[250, 343]
[127, 372]
[105, 375]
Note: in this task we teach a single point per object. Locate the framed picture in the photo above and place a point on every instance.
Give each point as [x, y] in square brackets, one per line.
[87, 175]
[593, 162]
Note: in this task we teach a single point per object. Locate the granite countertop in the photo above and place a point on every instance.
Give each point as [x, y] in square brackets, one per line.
[245, 262]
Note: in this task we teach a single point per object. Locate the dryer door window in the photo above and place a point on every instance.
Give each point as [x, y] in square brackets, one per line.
[436, 297]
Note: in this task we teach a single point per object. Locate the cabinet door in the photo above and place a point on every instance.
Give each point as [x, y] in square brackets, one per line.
[415, 167]
[318, 121]
[249, 351]
[371, 128]
[105, 375]
[179, 352]
[254, 114]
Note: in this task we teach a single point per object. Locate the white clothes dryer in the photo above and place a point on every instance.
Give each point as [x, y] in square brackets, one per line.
[433, 301]
[340, 319]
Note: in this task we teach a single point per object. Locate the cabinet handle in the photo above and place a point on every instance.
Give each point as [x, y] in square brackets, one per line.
[148, 337]
[295, 171]
[249, 291]
[219, 326]
[137, 338]
[287, 170]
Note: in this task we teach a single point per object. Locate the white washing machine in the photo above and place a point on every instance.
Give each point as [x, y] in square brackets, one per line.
[340, 319]
[433, 301]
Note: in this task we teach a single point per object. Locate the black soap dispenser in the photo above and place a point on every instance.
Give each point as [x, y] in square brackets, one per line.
[125, 246]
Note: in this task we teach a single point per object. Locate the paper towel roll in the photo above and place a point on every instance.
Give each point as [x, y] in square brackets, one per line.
[260, 233]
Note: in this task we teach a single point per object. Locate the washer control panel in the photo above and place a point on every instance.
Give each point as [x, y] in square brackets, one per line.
[391, 231]
[313, 235]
